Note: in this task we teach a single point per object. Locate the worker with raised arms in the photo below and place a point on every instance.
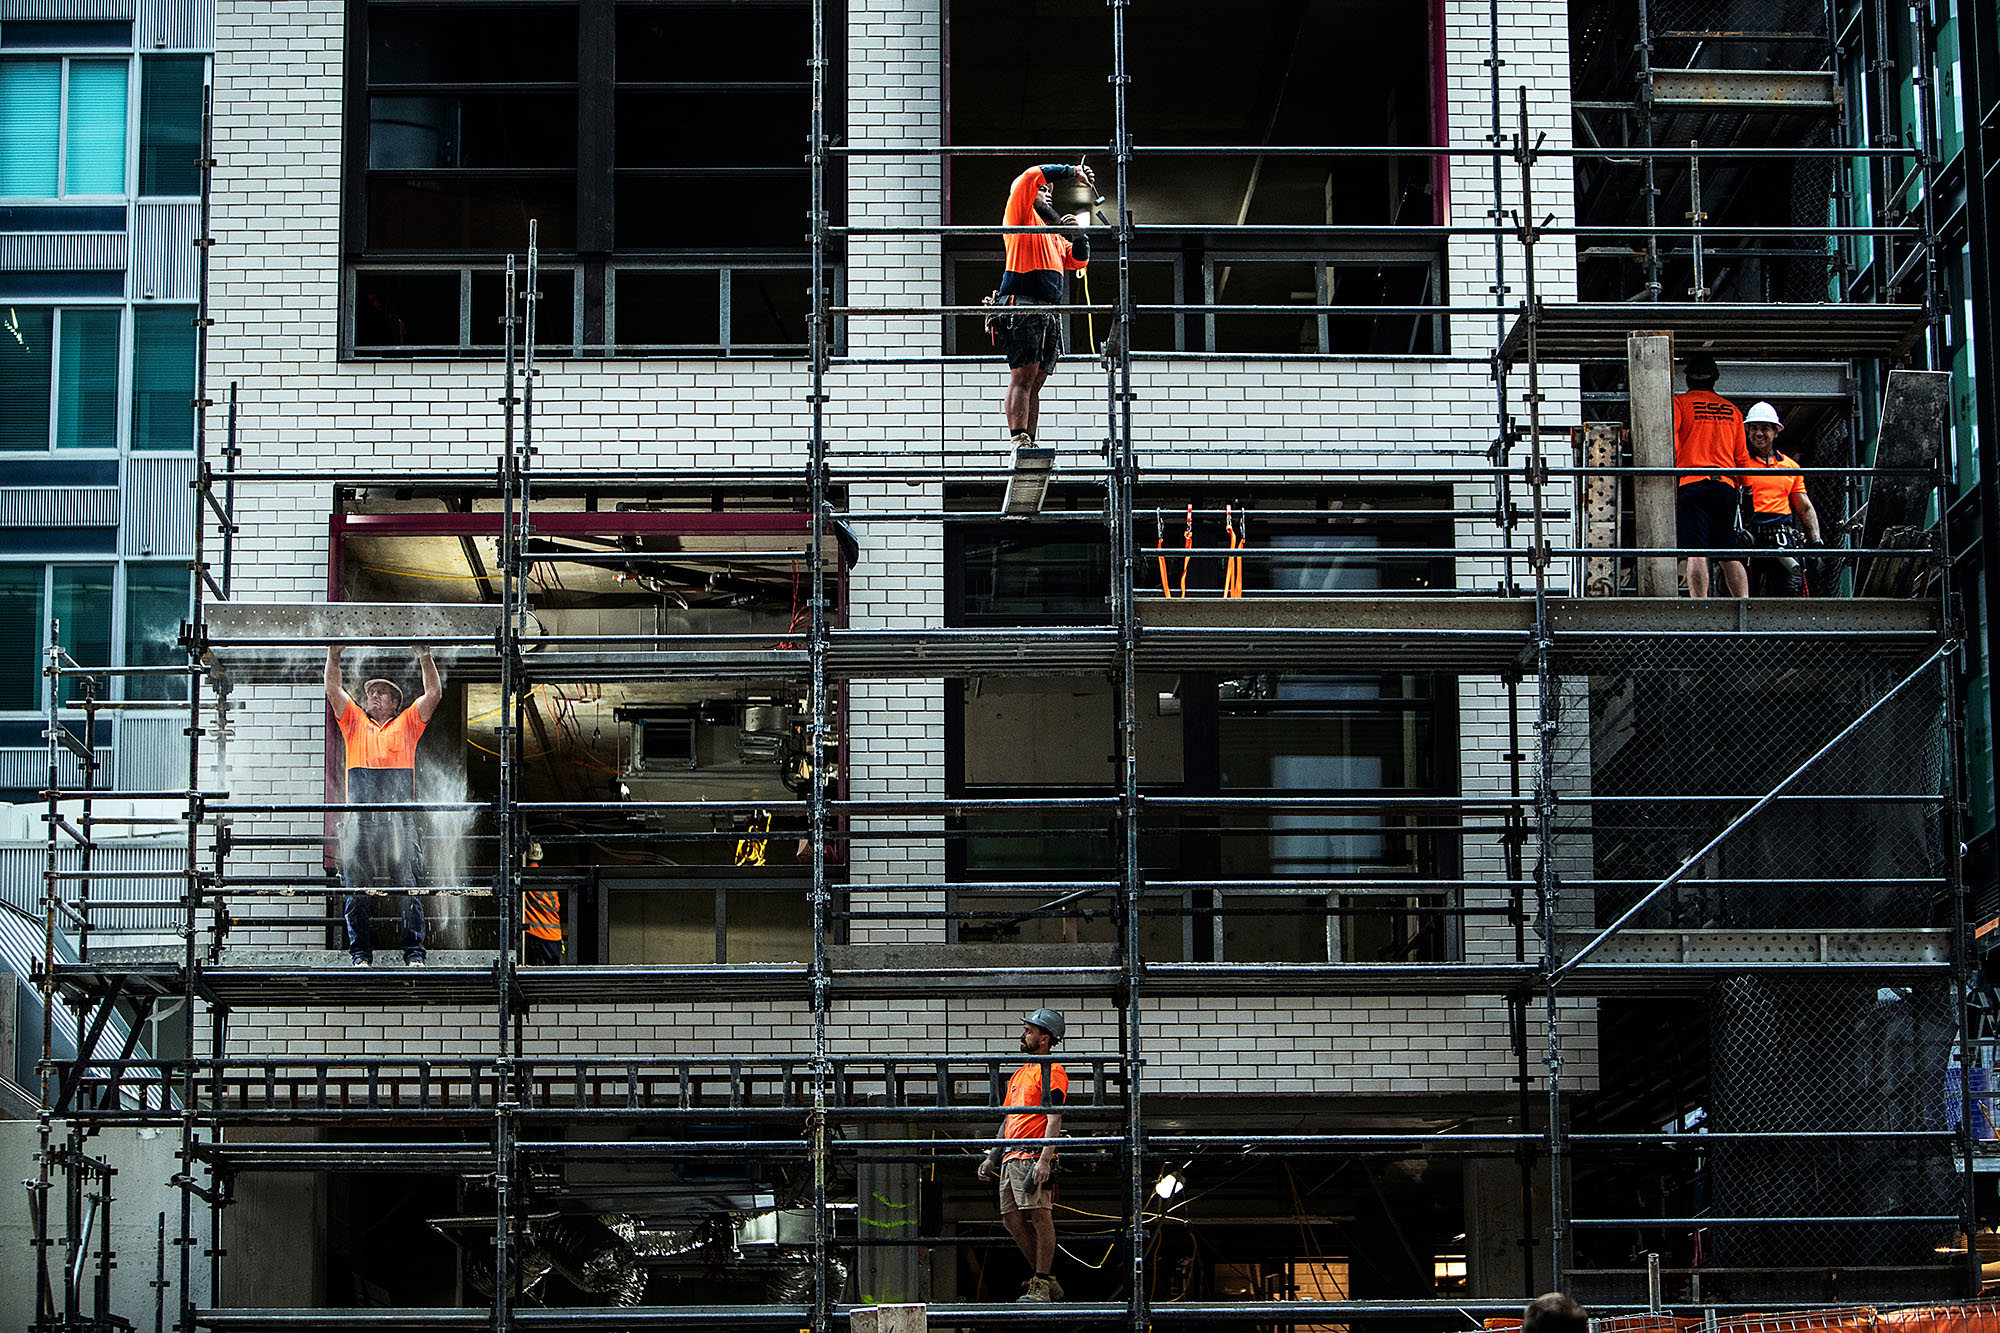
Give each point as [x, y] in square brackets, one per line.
[379, 849]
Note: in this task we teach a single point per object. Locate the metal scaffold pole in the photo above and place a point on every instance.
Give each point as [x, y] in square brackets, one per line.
[818, 349]
[1548, 881]
[1123, 481]
[513, 507]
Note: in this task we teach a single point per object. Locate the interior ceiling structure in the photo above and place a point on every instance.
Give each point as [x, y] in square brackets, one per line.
[580, 735]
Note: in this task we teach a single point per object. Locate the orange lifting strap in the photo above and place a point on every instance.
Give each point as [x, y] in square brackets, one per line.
[1232, 569]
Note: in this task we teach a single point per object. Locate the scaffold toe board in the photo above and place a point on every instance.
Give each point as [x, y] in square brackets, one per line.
[1822, 331]
[1491, 633]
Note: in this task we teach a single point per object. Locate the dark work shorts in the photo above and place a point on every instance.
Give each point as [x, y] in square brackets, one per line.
[1028, 335]
[1706, 512]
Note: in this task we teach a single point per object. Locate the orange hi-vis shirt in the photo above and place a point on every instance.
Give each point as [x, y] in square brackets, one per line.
[1772, 492]
[541, 909]
[1025, 1089]
[370, 744]
[1035, 252]
[1708, 433]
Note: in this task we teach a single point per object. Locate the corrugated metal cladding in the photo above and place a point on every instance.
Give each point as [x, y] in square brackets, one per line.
[62, 251]
[159, 507]
[29, 769]
[60, 507]
[164, 262]
[21, 883]
[153, 752]
[176, 25]
[67, 9]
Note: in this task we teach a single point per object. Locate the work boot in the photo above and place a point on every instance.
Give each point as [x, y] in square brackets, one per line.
[1037, 1291]
[1023, 440]
[1055, 1288]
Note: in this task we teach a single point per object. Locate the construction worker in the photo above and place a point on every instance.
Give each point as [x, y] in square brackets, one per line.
[1782, 517]
[541, 913]
[1708, 434]
[1026, 1202]
[1036, 263]
[381, 849]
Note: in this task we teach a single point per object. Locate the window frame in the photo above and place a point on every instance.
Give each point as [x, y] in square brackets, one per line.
[125, 379]
[118, 611]
[597, 257]
[64, 57]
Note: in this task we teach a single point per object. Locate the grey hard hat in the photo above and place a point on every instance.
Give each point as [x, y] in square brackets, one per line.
[1049, 1021]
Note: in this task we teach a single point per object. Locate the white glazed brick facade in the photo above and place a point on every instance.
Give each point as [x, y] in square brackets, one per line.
[275, 299]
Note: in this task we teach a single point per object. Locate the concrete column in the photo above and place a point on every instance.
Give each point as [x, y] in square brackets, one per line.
[1649, 368]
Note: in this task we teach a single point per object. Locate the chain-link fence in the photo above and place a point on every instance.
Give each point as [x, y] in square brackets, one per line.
[1662, 753]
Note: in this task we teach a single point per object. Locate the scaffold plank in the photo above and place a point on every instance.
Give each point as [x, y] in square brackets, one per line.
[1776, 331]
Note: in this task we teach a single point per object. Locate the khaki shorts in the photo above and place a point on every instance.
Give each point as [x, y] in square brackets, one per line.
[1018, 1189]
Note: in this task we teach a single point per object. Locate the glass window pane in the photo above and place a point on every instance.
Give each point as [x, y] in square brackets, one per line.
[156, 602]
[416, 311]
[163, 357]
[30, 113]
[170, 99]
[499, 44]
[21, 635]
[668, 309]
[95, 148]
[87, 380]
[767, 309]
[80, 598]
[25, 363]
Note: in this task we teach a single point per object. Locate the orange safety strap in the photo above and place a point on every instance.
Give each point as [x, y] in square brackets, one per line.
[1232, 568]
[1187, 542]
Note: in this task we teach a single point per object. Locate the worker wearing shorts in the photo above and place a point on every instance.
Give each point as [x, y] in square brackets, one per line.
[1708, 434]
[1026, 1201]
[1036, 265]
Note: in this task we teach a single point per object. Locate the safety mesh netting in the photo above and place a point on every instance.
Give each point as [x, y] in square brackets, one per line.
[1660, 752]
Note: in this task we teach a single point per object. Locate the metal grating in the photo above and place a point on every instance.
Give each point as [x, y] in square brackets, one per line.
[62, 251]
[72, 10]
[159, 521]
[153, 753]
[165, 265]
[58, 507]
[175, 25]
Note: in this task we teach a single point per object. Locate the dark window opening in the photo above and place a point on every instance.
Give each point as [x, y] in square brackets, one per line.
[674, 133]
[1310, 75]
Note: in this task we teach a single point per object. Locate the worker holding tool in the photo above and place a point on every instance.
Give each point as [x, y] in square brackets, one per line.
[1782, 517]
[1036, 263]
[1026, 1202]
[379, 849]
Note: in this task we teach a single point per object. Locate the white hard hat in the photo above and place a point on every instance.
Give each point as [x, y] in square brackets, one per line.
[1762, 414]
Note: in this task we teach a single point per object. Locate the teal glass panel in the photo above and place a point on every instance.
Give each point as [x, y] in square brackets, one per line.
[80, 598]
[95, 146]
[163, 355]
[157, 600]
[30, 121]
[87, 380]
[26, 361]
[21, 635]
[170, 99]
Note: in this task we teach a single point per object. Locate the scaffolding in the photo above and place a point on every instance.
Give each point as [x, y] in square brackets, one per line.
[1783, 899]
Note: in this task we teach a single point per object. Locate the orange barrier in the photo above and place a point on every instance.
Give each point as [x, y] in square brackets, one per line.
[1981, 1316]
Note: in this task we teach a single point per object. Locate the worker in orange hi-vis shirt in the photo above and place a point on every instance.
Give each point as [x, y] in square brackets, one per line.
[541, 913]
[1036, 264]
[379, 849]
[1026, 1202]
[1708, 434]
[1782, 517]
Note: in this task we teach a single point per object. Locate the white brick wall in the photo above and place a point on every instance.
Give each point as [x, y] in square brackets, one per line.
[274, 296]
